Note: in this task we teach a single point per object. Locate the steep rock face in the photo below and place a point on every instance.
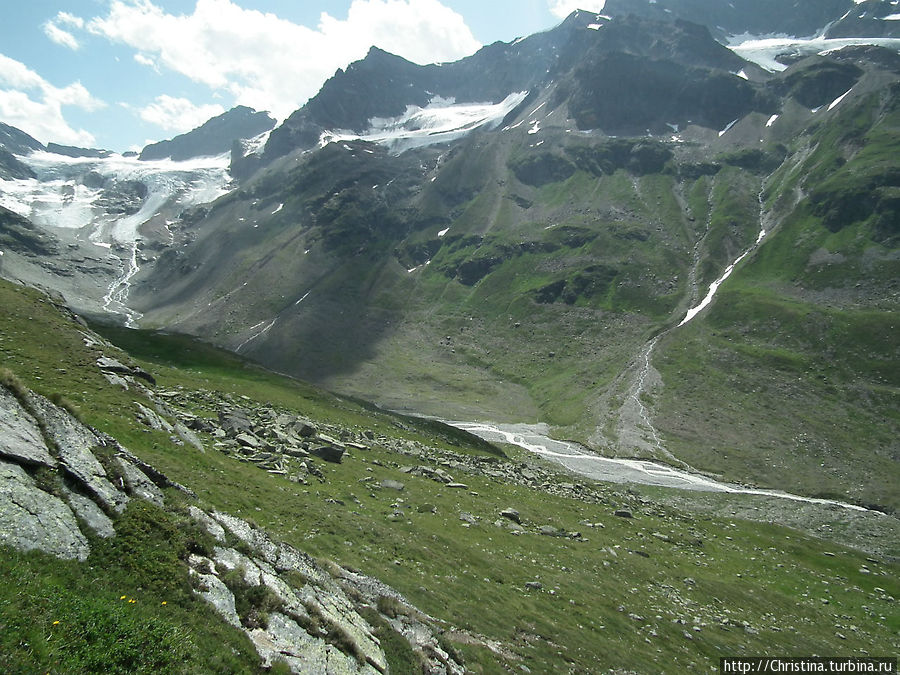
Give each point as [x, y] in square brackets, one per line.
[869, 18]
[818, 81]
[624, 94]
[12, 168]
[757, 17]
[21, 235]
[214, 137]
[17, 141]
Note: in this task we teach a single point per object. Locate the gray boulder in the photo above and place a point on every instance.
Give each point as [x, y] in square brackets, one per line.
[330, 453]
[20, 437]
[235, 421]
[152, 419]
[33, 519]
[138, 484]
[91, 514]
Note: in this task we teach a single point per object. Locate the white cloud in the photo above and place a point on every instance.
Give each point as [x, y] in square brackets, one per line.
[145, 60]
[178, 114]
[70, 20]
[30, 103]
[562, 8]
[266, 62]
[53, 30]
[59, 36]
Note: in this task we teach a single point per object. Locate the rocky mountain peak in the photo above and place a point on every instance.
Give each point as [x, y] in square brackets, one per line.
[214, 136]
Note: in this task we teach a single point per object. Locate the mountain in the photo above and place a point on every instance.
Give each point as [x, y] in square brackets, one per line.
[534, 268]
[214, 137]
[618, 232]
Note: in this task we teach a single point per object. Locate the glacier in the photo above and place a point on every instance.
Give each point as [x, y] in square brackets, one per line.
[441, 121]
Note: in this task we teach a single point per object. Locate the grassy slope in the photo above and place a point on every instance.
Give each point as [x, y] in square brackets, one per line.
[663, 592]
[791, 378]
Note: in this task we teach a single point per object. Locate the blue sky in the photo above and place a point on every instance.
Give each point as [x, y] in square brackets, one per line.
[120, 73]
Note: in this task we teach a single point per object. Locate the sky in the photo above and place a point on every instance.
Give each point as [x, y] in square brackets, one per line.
[118, 74]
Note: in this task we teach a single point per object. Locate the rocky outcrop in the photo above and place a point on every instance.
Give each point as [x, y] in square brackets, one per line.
[58, 476]
[12, 168]
[52, 478]
[74, 151]
[75, 444]
[20, 436]
[31, 518]
[313, 628]
[20, 235]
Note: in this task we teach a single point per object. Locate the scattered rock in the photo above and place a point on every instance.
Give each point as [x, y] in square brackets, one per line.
[511, 514]
[152, 419]
[534, 585]
[392, 484]
[235, 421]
[623, 513]
[110, 365]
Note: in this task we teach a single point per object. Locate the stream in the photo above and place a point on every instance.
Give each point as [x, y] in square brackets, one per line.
[582, 461]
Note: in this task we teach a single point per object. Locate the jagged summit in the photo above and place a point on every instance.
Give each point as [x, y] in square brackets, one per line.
[17, 141]
[831, 18]
[213, 137]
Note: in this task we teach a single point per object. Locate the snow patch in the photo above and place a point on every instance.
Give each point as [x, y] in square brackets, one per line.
[726, 129]
[840, 98]
[772, 120]
[742, 74]
[280, 206]
[441, 121]
[443, 232]
[255, 145]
